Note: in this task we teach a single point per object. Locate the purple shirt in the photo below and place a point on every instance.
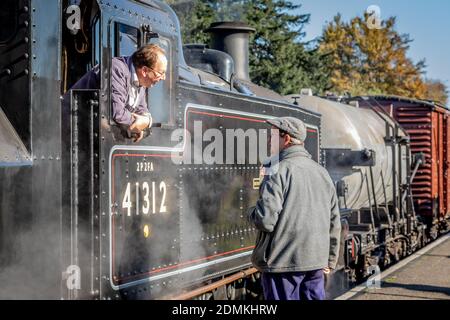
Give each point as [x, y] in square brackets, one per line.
[121, 84]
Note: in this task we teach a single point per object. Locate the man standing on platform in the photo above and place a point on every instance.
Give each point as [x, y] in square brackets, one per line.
[297, 216]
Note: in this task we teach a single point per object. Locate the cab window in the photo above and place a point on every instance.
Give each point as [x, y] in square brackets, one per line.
[128, 40]
[159, 97]
[8, 20]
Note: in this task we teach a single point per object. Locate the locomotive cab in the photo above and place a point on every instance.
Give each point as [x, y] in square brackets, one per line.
[118, 29]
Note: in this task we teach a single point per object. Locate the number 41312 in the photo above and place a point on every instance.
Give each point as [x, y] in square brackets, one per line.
[148, 202]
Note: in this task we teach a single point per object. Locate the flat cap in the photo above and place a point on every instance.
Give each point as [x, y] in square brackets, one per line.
[292, 126]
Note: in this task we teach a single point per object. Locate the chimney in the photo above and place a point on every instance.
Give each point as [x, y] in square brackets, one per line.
[232, 38]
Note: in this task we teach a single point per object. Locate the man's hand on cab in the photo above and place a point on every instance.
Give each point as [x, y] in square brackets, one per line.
[141, 122]
[138, 136]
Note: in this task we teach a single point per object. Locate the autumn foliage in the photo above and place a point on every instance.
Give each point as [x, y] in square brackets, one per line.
[348, 58]
[368, 61]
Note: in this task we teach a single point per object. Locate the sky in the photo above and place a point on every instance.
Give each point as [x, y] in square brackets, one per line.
[426, 21]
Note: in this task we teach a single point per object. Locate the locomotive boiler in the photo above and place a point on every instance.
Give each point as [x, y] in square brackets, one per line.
[353, 137]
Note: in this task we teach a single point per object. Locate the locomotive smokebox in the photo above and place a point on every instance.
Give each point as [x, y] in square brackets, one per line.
[233, 38]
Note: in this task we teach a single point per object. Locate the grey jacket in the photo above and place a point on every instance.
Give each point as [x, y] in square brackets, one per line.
[297, 216]
[120, 89]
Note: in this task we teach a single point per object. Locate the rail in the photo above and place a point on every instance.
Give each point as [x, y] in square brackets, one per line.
[208, 288]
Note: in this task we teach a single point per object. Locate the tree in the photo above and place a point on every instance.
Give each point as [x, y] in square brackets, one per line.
[371, 61]
[278, 58]
[195, 17]
[436, 90]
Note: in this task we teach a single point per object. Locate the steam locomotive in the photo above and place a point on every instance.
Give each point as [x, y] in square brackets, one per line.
[85, 213]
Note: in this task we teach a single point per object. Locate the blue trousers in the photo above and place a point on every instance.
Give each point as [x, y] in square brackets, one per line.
[307, 285]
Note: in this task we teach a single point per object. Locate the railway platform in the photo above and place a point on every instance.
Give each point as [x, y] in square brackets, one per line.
[425, 275]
